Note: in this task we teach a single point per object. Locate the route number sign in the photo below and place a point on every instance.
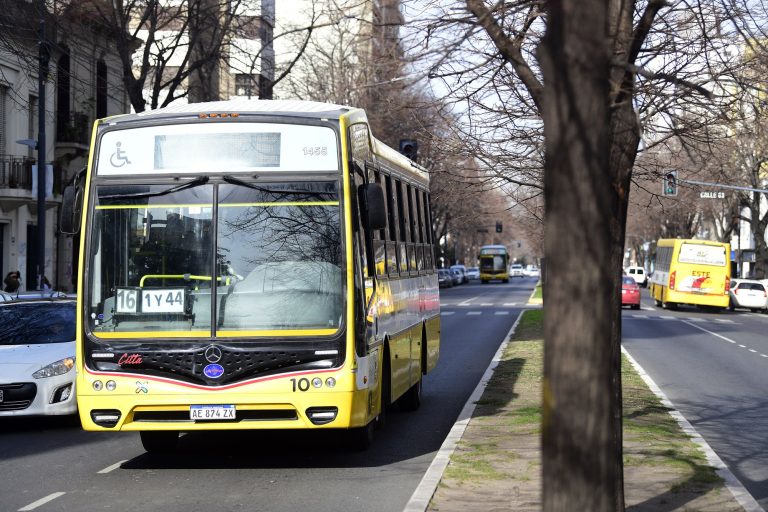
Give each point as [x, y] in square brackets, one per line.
[157, 300]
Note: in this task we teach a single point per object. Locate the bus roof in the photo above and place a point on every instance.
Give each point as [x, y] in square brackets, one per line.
[311, 109]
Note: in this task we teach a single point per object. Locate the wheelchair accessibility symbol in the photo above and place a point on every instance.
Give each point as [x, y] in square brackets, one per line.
[119, 158]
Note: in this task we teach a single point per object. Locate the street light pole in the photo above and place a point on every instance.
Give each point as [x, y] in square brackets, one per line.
[42, 72]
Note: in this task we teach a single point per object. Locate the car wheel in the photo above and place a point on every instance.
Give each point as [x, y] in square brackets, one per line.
[731, 306]
[635, 306]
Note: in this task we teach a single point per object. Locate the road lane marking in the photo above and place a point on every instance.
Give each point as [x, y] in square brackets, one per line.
[724, 321]
[763, 355]
[742, 346]
[510, 303]
[486, 304]
[466, 302]
[733, 484]
[41, 501]
[445, 313]
[647, 308]
[474, 312]
[111, 468]
[692, 319]
[639, 316]
[753, 351]
[501, 313]
[667, 317]
[719, 336]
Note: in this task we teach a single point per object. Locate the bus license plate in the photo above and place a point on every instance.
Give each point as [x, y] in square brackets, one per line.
[212, 412]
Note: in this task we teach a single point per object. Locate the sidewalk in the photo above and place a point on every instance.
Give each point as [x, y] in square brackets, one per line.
[496, 465]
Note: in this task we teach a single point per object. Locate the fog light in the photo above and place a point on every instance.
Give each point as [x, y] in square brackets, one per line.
[62, 394]
[317, 382]
[105, 417]
[97, 385]
[111, 385]
[330, 382]
[322, 415]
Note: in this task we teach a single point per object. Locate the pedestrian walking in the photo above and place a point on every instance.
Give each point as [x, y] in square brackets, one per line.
[12, 281]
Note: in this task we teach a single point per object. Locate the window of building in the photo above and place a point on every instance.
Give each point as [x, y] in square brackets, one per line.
[246, 85]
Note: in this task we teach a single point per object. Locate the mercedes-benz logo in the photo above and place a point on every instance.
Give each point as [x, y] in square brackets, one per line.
[213, 354]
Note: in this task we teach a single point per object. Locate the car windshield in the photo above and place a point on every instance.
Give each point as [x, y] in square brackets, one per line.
[627, 280]
[37, 323]
[274, 252]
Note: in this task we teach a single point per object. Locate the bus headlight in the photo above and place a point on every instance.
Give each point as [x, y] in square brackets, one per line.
[59, 367]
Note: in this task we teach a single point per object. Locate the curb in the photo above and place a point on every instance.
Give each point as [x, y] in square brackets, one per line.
[531, 300]
[737, 489]
[426, 489]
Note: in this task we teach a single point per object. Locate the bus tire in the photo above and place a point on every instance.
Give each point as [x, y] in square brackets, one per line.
[361, 438]
[411, 400]
[385, 395]
[159, 441]
[506, 281]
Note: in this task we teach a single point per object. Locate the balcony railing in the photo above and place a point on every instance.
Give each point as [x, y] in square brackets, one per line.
[74, 127]
[16, 172]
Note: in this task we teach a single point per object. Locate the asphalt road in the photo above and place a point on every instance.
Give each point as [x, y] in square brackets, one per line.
[263, 471]
[714, 369]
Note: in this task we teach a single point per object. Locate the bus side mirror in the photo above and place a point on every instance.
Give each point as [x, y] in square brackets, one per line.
[71, 208]
[372, 205]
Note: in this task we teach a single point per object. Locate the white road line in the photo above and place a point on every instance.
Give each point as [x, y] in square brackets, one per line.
[474, 312]
[696, 319]
[510, 303]
[639, 316]
[111, 468]
[753, 351]
[466, 302]
[445, 313]
[763, 355]
[742, 346]
[41, 501]
[667, 317]
[501, 313]
[724, 321]
[486, 304]
[647, 308]
[738, 490]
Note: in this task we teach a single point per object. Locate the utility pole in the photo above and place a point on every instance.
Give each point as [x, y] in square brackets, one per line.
[42, 73]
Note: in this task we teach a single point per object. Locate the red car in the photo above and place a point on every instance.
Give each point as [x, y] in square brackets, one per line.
[630, 292]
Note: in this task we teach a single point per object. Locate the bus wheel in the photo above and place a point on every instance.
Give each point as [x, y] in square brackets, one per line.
[411, 400]
[506, 280]
[484, 281]
[361, 438]
[386, 393]
[159, 441]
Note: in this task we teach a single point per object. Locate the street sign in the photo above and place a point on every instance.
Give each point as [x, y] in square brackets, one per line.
[710, 194]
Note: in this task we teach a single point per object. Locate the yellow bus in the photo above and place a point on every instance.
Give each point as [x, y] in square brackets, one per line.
[229, 279]
[494, 263]
[691, 272]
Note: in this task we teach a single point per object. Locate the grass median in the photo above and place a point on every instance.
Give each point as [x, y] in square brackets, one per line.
[497, 463]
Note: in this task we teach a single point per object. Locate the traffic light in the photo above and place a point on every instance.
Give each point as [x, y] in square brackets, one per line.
[670, 184]
[409, 148]
[498, 227]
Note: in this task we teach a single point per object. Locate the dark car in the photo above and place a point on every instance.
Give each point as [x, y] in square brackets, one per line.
[444, 278]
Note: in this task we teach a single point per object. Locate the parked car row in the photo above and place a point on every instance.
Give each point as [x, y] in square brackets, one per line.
[37, 354]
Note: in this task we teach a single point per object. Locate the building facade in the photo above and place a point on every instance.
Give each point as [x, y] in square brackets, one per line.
[82, 83]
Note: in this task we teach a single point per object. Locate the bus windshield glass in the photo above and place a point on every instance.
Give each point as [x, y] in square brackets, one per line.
[271, 256]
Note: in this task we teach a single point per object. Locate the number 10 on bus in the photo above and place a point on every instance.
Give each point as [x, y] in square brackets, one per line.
[163, 300]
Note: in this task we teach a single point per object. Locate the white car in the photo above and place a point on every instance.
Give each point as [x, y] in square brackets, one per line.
[749, 294]
[638, 274]
[516, 270]
[532, 271]
[37, 357]
[473, 273]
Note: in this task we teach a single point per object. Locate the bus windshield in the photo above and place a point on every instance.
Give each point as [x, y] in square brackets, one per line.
[272, 254]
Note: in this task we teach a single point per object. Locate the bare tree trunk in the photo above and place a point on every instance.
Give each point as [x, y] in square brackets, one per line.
[580, 452]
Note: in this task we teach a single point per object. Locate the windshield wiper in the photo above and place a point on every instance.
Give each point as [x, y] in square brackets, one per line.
[190, 184]
[235, 181]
